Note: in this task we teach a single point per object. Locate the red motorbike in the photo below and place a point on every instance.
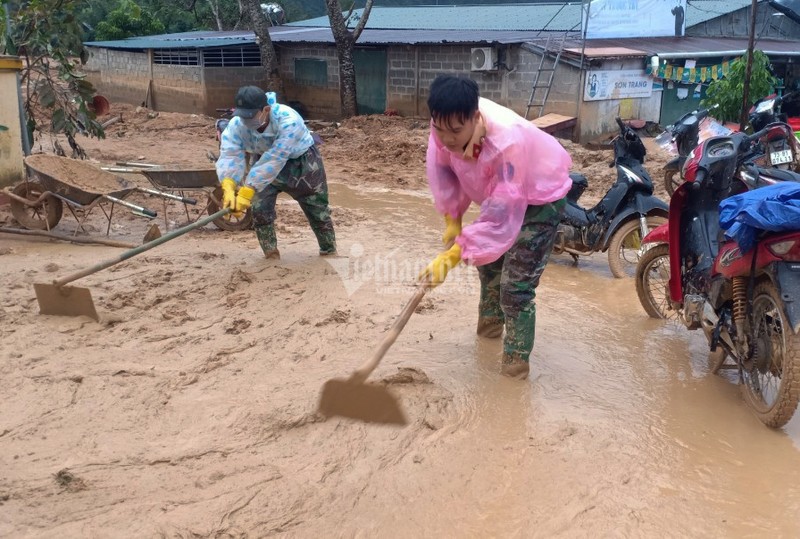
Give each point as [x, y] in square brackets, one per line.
[746, 303]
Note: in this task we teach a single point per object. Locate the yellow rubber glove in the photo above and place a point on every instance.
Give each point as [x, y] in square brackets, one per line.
[228, 194]
[244, 199]
[436, 272]
[452, 229]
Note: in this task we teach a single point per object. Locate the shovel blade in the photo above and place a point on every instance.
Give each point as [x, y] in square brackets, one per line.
[363, 402]
[65, 300]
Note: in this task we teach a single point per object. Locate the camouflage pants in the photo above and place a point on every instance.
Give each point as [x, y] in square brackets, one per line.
[304, 180]
[508, 285]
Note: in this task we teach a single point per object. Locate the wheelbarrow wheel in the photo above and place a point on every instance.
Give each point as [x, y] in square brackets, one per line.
[231, 223]
[42, 217]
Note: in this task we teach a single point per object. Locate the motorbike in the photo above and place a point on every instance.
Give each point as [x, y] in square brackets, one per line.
[779, 147]
[624, 216]
[746, 303]
[685, 134]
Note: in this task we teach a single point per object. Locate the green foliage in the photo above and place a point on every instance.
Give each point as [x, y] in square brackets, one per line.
[47, 35]
[727, 93]
[128, 20]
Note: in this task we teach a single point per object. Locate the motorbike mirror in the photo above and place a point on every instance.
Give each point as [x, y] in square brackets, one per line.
[765, 106]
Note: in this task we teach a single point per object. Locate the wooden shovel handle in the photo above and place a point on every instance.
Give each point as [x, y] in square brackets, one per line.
[361, 374]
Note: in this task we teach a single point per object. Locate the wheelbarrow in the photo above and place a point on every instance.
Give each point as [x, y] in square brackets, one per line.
[38, 202]
[187, 180]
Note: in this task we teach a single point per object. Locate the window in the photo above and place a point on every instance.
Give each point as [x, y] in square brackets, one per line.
[176, 57]
[244, 56]
[311, 71]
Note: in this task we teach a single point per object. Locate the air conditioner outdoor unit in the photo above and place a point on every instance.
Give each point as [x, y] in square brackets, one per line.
[483, 59]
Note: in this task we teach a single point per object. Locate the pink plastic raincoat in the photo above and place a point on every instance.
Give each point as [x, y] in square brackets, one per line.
[519, 165]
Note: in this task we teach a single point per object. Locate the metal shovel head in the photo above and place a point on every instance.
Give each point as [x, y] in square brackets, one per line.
[65, 300]
[363, 402]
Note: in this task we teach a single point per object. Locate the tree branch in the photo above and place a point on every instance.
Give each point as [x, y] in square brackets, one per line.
[363, 22]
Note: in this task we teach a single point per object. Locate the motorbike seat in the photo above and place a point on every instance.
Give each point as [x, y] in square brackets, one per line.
[579, 185]
[779, 174]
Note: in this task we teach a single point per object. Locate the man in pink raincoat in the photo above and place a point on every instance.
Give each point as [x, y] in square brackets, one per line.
[481, 152]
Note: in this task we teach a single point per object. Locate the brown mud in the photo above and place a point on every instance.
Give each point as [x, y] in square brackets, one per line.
[189, 410]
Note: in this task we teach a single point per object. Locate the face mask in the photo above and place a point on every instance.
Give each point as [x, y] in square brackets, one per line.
[252, 123]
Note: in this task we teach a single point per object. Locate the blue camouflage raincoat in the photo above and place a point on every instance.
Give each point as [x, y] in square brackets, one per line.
[286, 137]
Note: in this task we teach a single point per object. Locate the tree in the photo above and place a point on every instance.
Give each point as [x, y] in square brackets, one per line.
[128, 20]
[727, 92]
[345, 44]
[268, 58]
[57, 96]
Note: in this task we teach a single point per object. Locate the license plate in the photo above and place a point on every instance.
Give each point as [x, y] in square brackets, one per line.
[781, 157]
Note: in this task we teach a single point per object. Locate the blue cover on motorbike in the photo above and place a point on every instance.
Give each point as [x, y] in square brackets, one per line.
[775, 209]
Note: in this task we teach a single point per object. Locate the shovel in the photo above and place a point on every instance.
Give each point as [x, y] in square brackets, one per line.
[352, 398]
[57, 299]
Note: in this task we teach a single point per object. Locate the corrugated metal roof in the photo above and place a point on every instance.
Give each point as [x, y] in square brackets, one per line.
[283, 34]
[699, 11]
[560, 17]
[554, 17]
[680, 47]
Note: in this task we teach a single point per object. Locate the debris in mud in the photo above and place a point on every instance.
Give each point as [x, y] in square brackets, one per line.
[177, 314]
[427, 304]
[238, 326]
[338, 316]
[238, 276]
[406, 375]
[51, 268]
[67, 481]
[6, 251]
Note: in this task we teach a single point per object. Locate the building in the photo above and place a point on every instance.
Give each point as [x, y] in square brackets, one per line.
[506, 49]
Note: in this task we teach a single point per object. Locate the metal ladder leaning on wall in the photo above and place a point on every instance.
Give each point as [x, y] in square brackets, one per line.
[552, 53]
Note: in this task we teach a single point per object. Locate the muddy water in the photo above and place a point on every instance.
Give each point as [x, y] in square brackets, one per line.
[620, 429]
[191, 410]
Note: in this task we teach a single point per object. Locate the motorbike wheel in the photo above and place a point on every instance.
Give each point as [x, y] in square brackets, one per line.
[625, 248]
[672, 179]
[45, 216]
[771, 377]
[231, 223]
[652, 282]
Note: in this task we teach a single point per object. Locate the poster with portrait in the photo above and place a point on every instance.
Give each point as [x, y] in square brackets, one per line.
[634, 18]
[617, 84]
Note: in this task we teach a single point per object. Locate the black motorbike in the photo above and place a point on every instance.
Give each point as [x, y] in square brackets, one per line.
[624, 216]
[685, 133]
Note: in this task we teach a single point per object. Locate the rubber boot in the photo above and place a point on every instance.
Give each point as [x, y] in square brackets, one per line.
[490, 327]
[514, 366]
[268, 241]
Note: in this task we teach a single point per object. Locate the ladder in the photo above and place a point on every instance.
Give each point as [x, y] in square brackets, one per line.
[540, 89]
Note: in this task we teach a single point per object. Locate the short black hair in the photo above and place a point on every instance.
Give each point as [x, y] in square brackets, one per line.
[452, 97]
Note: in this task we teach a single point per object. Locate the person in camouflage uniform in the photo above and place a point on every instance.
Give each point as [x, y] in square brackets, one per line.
[290, 163]
[481, 152]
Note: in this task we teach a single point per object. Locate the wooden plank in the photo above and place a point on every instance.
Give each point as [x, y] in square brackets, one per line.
[550, 123]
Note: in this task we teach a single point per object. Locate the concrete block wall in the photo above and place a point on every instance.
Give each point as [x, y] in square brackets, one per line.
[178, 88]
[119, 75]
[319, 101]
[221, 84]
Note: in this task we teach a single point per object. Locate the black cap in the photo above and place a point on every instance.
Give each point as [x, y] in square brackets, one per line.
[249, 101]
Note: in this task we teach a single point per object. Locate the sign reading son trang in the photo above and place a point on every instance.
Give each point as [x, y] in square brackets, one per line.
[634, 18]
[617, 84]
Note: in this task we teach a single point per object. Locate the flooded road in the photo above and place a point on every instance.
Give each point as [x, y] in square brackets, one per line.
[193, 409]
[621, 427]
